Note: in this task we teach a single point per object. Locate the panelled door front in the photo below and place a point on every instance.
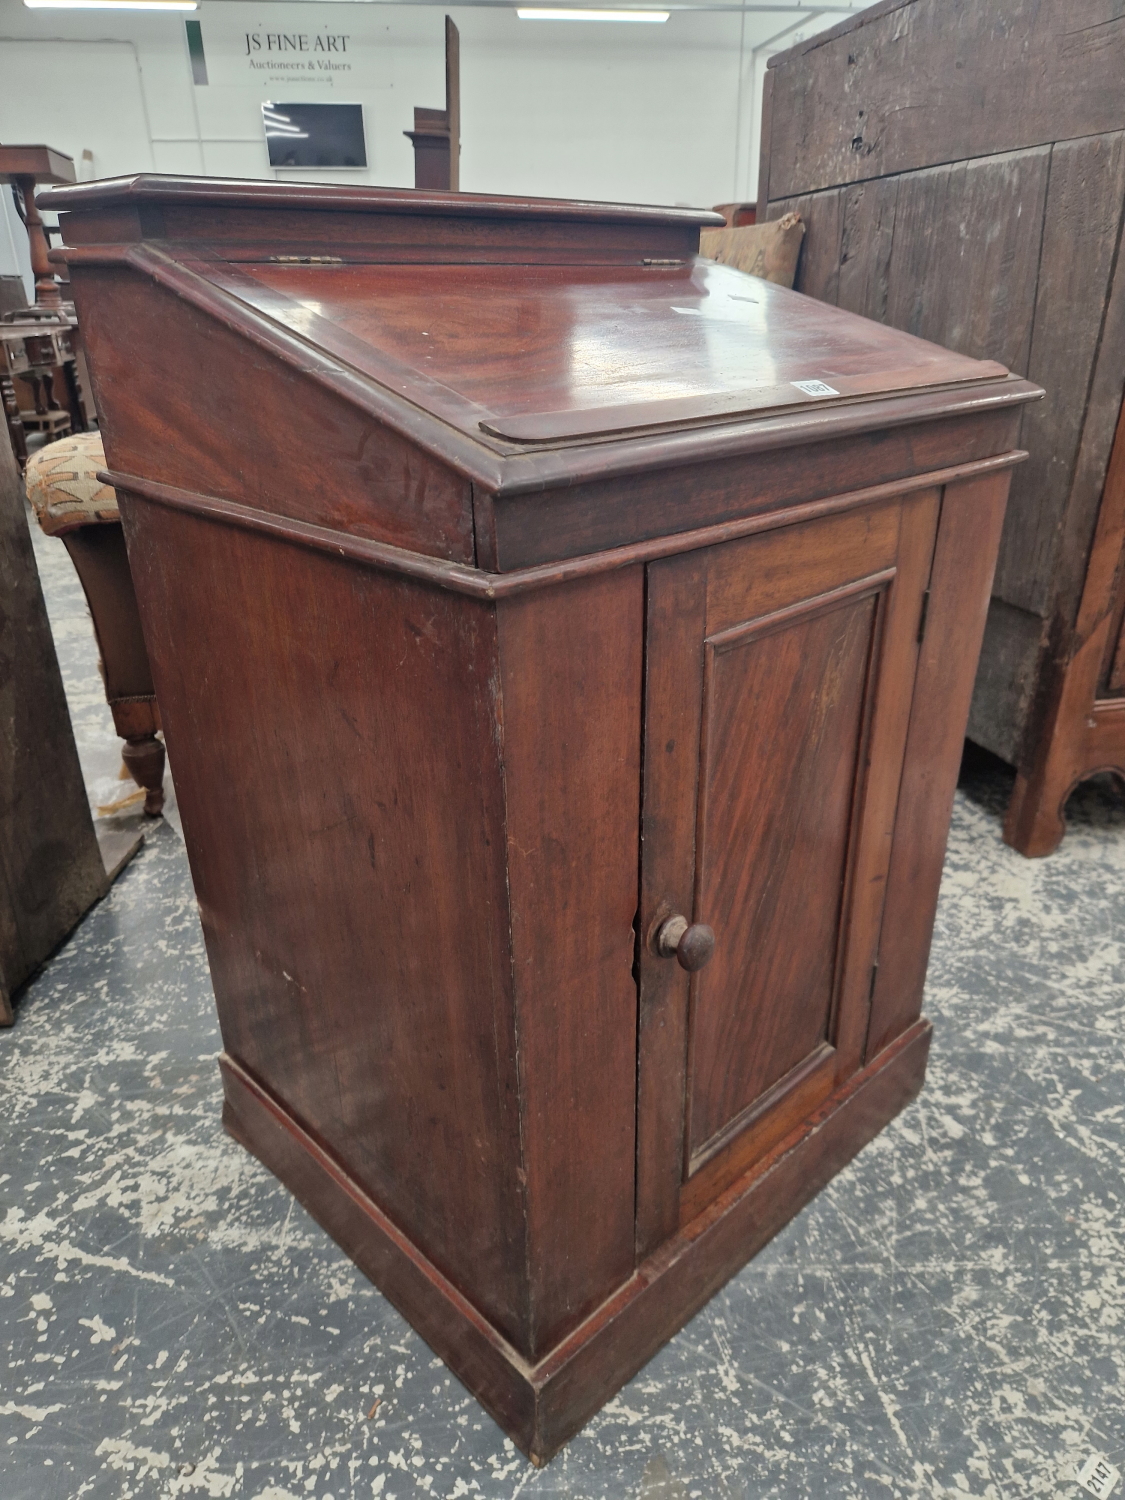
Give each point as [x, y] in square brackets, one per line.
[779, 674]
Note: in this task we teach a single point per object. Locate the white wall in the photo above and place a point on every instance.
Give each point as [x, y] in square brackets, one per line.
[638, 113]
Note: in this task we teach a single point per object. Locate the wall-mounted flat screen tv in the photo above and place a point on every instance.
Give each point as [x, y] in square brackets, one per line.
[315, 135]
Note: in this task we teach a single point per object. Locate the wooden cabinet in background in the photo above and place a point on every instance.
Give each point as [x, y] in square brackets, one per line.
[977, 199]
[609, 619]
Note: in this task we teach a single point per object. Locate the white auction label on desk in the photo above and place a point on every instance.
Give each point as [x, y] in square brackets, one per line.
[1098, 1476]
[815, 388]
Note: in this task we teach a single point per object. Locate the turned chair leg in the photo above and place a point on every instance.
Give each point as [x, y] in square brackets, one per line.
[144, 760]
[99, 556]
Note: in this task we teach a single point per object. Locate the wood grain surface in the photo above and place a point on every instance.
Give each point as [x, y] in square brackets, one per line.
[570, 671]
[545, 352]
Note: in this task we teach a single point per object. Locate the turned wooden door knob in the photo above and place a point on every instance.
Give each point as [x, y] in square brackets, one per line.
[691, 947]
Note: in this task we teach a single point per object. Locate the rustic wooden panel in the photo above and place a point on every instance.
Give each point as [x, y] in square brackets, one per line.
[570, 662]
[950, 255]
[1080, 237]
[51, 869]
[965, 262]
[923, 83]
[818, 271]
[1004, 693]
[390, 1036]
[984, 255]
[764, 148]
[866, 239]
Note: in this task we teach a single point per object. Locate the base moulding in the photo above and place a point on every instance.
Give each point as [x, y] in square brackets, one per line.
[544, 1404]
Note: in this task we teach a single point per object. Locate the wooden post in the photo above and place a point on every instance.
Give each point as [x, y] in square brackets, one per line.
[46, 287]
[437, 132]
[24, 167]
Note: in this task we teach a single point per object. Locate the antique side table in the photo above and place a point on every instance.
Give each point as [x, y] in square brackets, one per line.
[37, 349]
[609, 618]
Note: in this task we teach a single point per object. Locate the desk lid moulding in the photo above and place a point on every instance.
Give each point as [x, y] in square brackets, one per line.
[230, 192]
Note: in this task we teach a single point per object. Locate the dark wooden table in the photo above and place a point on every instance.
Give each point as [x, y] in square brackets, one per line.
[34, 348]
[961, 172]
[564, 647]
[38, 356]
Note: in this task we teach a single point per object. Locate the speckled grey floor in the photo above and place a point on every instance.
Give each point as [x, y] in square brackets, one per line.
[945, 1320]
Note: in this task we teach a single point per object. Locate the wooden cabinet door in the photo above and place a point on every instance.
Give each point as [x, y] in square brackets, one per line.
[779, 674]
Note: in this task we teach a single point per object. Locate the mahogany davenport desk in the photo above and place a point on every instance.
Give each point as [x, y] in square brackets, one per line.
[538, 612]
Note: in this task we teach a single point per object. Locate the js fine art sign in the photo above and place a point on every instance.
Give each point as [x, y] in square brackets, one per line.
[278, 44]
[298, 51]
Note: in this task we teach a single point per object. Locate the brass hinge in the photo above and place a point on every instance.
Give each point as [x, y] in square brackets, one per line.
[922, 620]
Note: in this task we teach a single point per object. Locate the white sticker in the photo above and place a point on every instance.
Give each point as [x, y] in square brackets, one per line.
[1098, 1476]
[814, 388]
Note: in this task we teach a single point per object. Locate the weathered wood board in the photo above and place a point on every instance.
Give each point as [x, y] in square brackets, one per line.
[51, 866]
[961, 170]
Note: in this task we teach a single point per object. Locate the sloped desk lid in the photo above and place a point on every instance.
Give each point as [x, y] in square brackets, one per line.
[548, 354]
[590, 329]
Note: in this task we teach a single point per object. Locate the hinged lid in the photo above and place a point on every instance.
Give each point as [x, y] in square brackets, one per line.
[548, 354]
[520, 324]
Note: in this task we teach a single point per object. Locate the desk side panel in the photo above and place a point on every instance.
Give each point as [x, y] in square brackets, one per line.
[332, 731]
[571, 669]
[972, 515]
[186, 401]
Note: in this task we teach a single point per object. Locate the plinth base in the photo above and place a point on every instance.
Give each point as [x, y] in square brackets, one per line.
[541, 1406]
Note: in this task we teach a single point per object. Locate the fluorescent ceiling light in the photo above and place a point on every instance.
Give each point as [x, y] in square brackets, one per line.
[654, 17]
[112, 4]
